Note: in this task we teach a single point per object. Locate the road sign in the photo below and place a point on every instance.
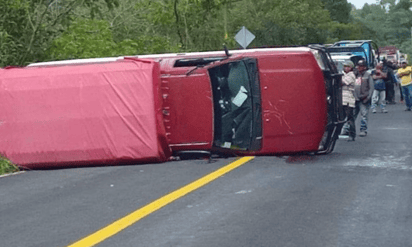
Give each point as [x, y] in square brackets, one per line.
[244, 37]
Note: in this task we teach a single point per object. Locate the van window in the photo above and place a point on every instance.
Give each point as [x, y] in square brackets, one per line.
[237, 106]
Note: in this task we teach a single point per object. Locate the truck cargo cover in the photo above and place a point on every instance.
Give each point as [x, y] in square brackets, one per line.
[107, 113]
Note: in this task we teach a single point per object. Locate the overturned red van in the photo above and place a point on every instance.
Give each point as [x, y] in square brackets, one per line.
[272, 101]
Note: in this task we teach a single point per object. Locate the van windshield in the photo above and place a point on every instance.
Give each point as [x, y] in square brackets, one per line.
[237, 105]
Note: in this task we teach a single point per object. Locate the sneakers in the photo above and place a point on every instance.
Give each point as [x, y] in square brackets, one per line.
[374, 110]
[362, 133]
[351, 139]
[344, 133]
[408, 109]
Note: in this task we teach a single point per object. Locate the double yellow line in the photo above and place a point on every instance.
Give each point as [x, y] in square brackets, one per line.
[135, 216]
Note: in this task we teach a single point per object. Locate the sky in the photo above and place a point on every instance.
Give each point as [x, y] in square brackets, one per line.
[359, 3]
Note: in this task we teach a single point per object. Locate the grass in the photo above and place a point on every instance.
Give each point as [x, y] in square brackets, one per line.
[6, 166]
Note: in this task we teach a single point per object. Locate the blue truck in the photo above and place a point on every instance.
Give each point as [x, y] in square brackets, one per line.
[354, 50]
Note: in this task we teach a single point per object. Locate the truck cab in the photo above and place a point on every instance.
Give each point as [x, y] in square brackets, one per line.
[251, 102]
[354, 50]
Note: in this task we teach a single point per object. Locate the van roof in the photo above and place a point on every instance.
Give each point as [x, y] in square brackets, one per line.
[190, 54]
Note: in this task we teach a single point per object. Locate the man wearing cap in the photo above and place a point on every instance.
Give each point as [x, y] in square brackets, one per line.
[363, 92]
[405, 74]
[348, 99]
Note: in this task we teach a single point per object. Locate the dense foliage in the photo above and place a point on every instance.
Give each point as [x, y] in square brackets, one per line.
[6, 166]
[42, 30]
[389, 23]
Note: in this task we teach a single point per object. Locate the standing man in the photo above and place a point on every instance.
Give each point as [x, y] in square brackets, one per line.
[405, 74]
[363, 93]
[379, 94]
[348, 99]
[390, 81]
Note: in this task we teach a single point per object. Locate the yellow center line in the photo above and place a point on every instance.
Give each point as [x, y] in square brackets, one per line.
[135, 216]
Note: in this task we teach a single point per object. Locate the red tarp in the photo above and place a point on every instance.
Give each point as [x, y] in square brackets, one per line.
[107, 113]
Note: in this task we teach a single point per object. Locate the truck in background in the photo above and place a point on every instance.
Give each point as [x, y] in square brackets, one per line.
[354, 50]
[390, 53]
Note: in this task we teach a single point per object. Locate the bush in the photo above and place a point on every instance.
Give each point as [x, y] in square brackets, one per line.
[6, 166]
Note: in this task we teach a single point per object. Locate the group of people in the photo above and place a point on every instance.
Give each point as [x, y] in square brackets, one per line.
[362, 90]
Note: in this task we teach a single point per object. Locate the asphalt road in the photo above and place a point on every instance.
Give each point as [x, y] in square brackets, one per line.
[360, 195]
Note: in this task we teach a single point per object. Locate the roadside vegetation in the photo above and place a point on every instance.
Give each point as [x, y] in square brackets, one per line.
[6, 166]
[45, 30]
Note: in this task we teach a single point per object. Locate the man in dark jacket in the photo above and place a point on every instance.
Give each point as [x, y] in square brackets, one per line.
[363, 93]
[390, 81]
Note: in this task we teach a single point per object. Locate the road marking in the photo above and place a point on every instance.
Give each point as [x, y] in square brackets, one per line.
[135, 216]
[11, 174]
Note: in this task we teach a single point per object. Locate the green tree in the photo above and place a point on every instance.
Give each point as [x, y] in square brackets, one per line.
[389, 23]
[195, 24]
[30, 26]
[339, 10]
[38, 30]
[354, 30]
[278, 22]
[88, 38]
[85, 38]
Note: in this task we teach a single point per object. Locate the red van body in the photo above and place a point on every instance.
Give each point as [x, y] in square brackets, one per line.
[76, 115]
[247, 102]
[299, 91]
